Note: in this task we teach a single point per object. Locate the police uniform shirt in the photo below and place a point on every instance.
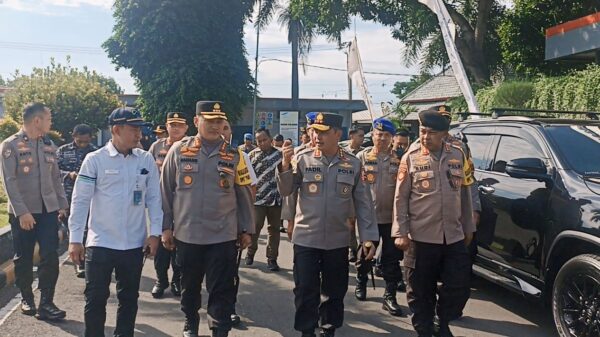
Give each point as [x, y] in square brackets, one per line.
[206, 196]
[326, 192]
[432, 202]
[70, 157]
[31, 175]
[380, 173]
[159, 150]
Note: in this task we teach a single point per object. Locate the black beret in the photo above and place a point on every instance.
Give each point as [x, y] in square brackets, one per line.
[434, 120]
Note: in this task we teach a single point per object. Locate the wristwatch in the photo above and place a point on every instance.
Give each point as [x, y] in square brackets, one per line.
[368, 244]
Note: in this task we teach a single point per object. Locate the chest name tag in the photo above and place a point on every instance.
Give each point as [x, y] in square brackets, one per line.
[111, 172]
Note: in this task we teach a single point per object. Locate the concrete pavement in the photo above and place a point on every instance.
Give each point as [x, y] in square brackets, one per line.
[266, 305]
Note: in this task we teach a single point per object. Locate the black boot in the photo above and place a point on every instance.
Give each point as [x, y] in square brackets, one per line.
[47, 309]
[235, 319]
[159, 289]
[327, 332]
[176, 288]
[442, 330]
[28, 303]
[308, 333]
[190, 329]
[401, 286]
[389, 299]
[219, 333]
[361, 288]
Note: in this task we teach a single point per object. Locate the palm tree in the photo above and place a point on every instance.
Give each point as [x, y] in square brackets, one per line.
[299, 36]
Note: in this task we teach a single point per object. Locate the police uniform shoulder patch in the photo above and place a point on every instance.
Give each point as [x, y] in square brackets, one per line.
[7, 152]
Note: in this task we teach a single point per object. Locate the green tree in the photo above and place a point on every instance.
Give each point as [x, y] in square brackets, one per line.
[75, 96]
[300, 36]
[523, 38]
[416, 25]
[183, 51]
[402, 89]
[2, 81]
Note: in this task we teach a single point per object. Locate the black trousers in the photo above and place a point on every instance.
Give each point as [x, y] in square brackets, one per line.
[390, 258]
[321, 282]
[45, 233]
[99, 265]
[427, 263]
[162, 260]
[218, 263]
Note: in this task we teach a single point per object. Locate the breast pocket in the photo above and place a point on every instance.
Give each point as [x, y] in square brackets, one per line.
[456, 178]
[188, 175]
[393, 174]
[344, 185]
[312, 184]
[424, 181]
[370, 174]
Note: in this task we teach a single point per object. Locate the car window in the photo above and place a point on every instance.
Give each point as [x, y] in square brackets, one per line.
[478, 144]
[511, 148]
[578, 145]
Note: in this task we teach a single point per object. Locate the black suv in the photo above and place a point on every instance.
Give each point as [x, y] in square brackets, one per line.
[539, 234]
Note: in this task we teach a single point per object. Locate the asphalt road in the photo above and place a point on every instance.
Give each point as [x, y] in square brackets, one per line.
[266, 305]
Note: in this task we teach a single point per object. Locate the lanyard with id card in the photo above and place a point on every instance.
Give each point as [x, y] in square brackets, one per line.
[137, 193]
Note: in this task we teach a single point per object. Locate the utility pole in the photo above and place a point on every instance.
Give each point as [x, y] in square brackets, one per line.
[256, 74]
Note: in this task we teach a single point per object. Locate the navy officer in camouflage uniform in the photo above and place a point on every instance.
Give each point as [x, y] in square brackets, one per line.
[70, 156]
[328, 184]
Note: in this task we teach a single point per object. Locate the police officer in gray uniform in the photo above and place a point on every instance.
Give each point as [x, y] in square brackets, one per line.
[433, 224]
[327, 182]
[36, 199]
[208, 210]
[176, 127]
[380, 169]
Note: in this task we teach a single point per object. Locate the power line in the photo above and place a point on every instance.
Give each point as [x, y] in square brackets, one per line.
[340, 69]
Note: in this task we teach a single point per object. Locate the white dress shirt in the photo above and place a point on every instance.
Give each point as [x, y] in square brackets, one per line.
[116, 190]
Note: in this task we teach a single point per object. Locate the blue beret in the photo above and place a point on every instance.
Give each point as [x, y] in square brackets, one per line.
[310, 117]
[247, 136]
[383, 124]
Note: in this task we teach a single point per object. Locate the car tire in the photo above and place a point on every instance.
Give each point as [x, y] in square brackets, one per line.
[576, 297]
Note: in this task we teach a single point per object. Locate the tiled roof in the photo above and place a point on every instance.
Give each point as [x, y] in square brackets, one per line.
[439, 88]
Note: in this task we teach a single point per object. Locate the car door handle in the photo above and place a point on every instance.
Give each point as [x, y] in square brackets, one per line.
[486, 189]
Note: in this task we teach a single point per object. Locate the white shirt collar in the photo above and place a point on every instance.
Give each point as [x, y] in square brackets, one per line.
[113, 152]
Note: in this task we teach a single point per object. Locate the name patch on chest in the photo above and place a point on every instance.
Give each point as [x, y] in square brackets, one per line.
[225, 164]
[312, 169]
[188, 160]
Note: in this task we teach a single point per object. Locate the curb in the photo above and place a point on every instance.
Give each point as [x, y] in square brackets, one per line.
[7, 269]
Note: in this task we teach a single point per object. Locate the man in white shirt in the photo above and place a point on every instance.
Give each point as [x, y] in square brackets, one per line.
[116, 184]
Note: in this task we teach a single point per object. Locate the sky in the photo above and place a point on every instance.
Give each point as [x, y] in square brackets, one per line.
[34, 31]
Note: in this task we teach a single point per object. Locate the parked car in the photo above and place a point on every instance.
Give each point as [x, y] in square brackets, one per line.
[539, 234]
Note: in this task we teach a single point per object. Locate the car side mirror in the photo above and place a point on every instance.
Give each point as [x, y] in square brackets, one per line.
[527, 168]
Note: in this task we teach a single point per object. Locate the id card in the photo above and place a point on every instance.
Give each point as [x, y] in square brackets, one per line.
[137, 197]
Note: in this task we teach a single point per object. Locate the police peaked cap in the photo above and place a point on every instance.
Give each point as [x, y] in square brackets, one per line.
[434, 120]
[210, 110]
[325, 121]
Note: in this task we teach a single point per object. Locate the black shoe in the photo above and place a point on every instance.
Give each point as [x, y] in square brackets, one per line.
[158, 290]
[235, 319]
[361, 290]
[80, 271]
[441, 330]
[249, 260]
[390, 305]
[282, 229]
[272, 265]
[28, 306]
[308, 334]
[378, 272]
[190, 329]
[47, 310]
[176, 289]
[219, 333]
[327, 332]
[352, 255]
[401, 286]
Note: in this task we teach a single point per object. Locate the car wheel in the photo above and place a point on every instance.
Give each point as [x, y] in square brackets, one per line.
[576, 297]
